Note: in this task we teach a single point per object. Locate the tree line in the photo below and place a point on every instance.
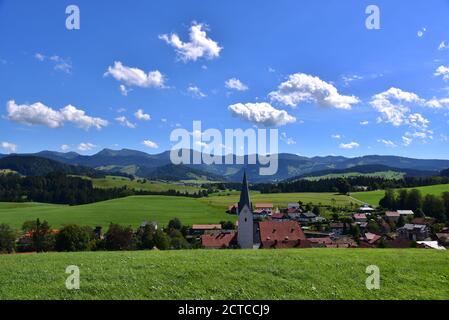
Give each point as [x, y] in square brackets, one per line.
[430, 205]
[58, 188]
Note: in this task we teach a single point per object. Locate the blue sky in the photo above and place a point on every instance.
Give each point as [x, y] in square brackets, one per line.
[309, 68]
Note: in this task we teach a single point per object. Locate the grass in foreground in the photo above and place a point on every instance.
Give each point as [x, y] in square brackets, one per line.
[231, 274]
[373, 197]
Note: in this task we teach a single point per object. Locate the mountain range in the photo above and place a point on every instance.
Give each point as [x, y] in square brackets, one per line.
[291, 166]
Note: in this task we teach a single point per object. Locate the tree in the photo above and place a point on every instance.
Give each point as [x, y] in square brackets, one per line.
[402, 199]
[433, 206]
[42, 237]
[445, 197]
[227, 225]
[73, 238]
[145, 237]
[7, 239]
[119, 238]
[175, 224]
[161, 240]
[373, 226]
[316, 210]
[354, 231]
[389, 200]
[343, 186]
[177, 240]
[401, 222]
[414, 200]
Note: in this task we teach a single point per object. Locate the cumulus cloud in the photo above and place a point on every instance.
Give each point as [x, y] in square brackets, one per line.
[141, 115]
[124, 90]
[135, 77]
[8, 146]
[86, 146]
[336, 136]
[301, 87]
[387, 143]
[261, 114]
[196, 92]
[150, 144]
[236, 84]
[40, 114]
[442, 71]
[125, 122]
[198, 46]
[350, 145]
[390, 104]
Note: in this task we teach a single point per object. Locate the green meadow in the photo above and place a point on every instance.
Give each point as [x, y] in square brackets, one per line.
[373, 197]
[228, 274]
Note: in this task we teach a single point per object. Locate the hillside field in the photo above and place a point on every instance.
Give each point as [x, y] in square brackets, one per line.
[259, 274]
[373, 197]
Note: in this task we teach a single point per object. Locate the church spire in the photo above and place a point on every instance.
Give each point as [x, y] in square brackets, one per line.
[244, 195]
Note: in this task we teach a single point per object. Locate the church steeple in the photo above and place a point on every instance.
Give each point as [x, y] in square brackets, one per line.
[244, 195]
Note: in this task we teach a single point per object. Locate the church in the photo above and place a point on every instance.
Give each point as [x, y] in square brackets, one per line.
[256, 234]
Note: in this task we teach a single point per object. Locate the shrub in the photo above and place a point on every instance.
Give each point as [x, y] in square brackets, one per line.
[7, 239]
[119, 238]
[161, 240]
[73, 238]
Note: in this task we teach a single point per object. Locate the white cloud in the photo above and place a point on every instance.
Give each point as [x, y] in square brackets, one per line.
[236, 84]
[406, 141]
[442, 71]
[348, 79]
[125, 123]
[390, 105]
[196, 92]
[124, 90]
[364, 123]
[8, 146]
[438, 103]
[348, 146]
[421, 32]
[40, 114]
[387, 143]
[136, 77]
[65, 147]
[59, 63]
[141, 115]
[150, 144]
[336, 136]
[86, 146]
[443, 46]
[301, 87]
[199, 44]
[288, 140]
[261, 114]
[416, 120]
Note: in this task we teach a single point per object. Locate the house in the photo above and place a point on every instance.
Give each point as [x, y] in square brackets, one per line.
[320, 242]
[406, 213]
[307, 217]
[338, 228]
[392, 216]
[360, 217]
[293, 213]
[199, 229]
[279, 216]
[268, 207]
[282, 234]
[366, 209]
[426, 221]
[413, 232]
[219, 240]
[369, 240]
[294, 206]
[233, 209]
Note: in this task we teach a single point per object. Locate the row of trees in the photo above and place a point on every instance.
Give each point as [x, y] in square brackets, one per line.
[431, 205]
[38, 236]
[345, 185]
[59, 188]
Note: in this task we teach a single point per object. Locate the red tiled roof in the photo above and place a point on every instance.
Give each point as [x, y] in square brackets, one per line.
[206, 227]
[392, 214]
[264, 205]
[321, 240]
[285, 234]
[371, 237]
[218, 241]
[277, 216]
[359, 216]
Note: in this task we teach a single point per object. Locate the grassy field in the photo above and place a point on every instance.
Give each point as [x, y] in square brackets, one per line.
[373, 197]
[381, 174]
[128, 211]
[260, 274]
[154, 186]
[281, 199]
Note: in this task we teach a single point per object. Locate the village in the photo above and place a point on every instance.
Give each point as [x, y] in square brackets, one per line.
[263, 226]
